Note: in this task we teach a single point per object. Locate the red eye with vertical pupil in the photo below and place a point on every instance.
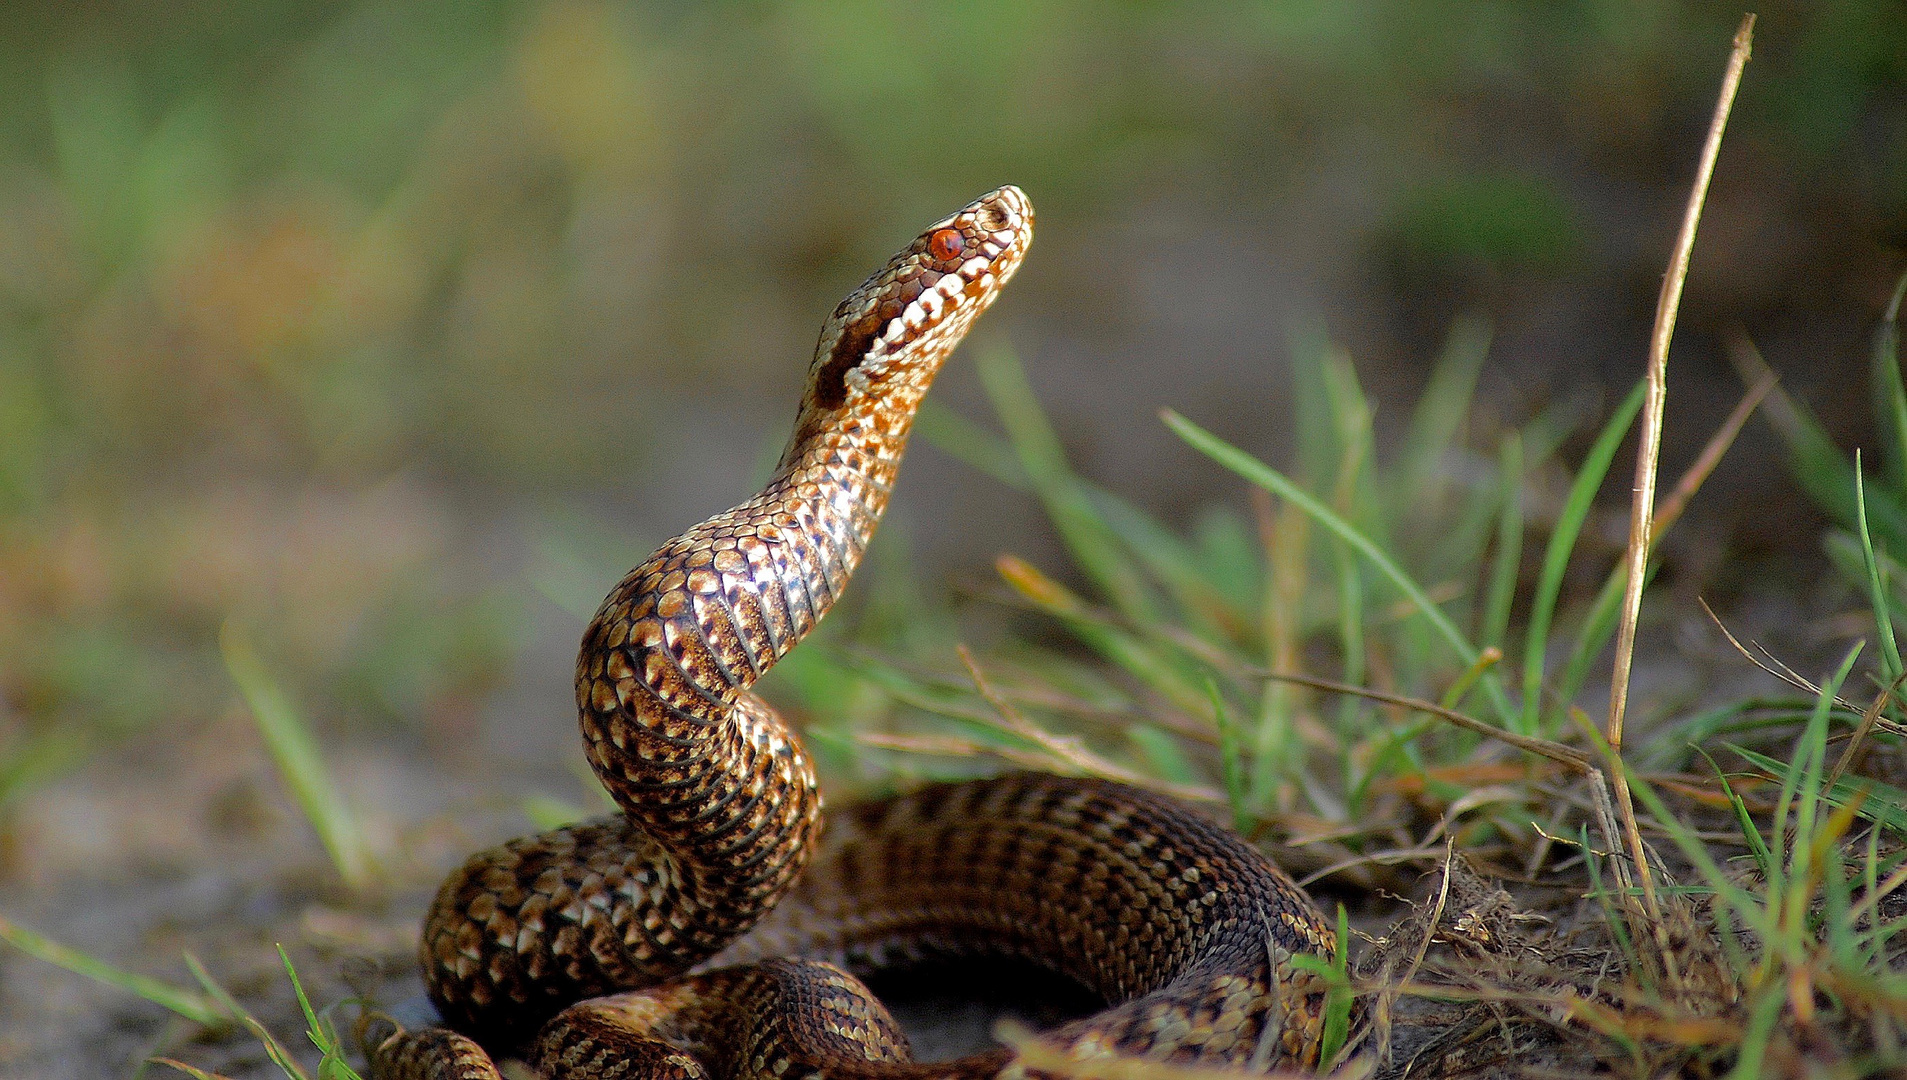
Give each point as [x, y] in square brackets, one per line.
[946, 244]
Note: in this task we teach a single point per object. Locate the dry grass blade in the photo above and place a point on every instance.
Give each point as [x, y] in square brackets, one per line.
[1874, 896]
[1648, 461]
[1038, 760]
[1284, 535]
[1392, 857]
[1604, 805]
[1430, 925]
[1770, 664]
[1691, 481]
[1068, 752]
[190, 1070]
[294, 749]
[1555, 751]
[1390, 986]
[1869, 718]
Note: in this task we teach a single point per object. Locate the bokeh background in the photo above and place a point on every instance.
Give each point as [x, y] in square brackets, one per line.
[394, 331]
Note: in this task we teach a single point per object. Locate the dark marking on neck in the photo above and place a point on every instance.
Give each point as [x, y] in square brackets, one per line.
[831, 382]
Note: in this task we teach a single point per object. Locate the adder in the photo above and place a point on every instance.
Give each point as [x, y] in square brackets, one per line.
[714, 927]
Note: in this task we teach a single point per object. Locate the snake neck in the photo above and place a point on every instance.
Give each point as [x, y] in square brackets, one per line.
[721, 809]
[706, 769]
[679, 641]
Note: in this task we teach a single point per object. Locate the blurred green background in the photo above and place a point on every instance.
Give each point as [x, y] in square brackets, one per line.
[396, 329]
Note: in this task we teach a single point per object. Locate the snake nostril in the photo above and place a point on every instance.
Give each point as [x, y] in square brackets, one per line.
[992, 217]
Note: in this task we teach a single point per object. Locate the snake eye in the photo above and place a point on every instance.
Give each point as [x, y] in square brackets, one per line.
[946, 244]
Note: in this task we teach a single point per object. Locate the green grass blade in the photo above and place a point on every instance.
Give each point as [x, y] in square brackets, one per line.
[1231, 760]
[197, 1008]
[1814, 742]
[332, 1065]
[36, 757]
[1762, 1016]
[1339, 995]
[1882, 804]
[970, 714]
[1339, 998]
[1461, 541]
[1509, 544]
[1092, 544]
[1351, 493]
[274, 1049]
[1546, 432]
[1876, 586]
[1827, 476]
[1352, 498]
[1123, 648]
[1836, 892]
[1164, 755]
[1562, 541]
[1392, 754]
[1187, 574]
[1693, 848]
[548, 812]
[1351, 614]
[1441, 411]
[295, 752]
[1598, 626]
[1803, 778]
[1765, 860]
[961, 438]
[1275, 482]
[1612, 915]
[1745, 715]
[1871, 948]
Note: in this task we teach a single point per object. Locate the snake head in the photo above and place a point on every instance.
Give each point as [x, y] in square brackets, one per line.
[892, 334]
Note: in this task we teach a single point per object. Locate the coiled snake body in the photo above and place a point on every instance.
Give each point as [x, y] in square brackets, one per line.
[615, 948]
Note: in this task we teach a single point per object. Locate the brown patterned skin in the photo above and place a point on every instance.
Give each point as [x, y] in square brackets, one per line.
[529, 944]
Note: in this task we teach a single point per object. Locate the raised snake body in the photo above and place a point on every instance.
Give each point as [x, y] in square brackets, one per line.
[615, 948]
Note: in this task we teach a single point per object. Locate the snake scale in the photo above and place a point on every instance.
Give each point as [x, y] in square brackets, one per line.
[622, 947]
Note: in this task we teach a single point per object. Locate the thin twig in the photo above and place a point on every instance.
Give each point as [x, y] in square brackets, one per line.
[1270, 1034]
[1014, 722]
[1285, 534]
[1430, 930]
[1065, 749]
[1555, 751]
[1868, 719]
[1648, 459]
[1575, 843]
[1691, 481]
[1604, 807]
[1771, 664]
[1376, 858]
[1764, 383]
[1880, 892]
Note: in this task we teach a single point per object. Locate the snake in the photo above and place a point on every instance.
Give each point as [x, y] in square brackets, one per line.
[713, 929]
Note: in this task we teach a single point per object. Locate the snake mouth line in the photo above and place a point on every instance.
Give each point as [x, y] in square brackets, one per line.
[994, 231]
